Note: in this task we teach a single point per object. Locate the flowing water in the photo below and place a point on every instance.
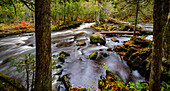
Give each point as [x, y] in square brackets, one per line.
[82, 71]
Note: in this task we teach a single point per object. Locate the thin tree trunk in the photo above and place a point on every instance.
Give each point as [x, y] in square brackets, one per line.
[27, 72]
[166, 7]
[43, 77]
[154, 81]
[64, 14]
[33, 77]
[167, 41]
[136, 19]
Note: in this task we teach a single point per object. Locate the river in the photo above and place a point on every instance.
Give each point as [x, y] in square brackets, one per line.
[83, 72]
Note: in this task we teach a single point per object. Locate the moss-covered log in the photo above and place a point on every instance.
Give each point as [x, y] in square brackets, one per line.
[8, 83]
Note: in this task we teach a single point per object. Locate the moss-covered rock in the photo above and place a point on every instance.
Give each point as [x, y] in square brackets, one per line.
[111, 82]
[93, 55]
[120, 49]
[130, 27]
[140, 41]
[137, 53]
[130, 44]
[83, 43]
[62, 53]
[97, 38]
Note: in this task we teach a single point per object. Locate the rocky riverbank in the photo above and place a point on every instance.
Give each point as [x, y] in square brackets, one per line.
[137, 53]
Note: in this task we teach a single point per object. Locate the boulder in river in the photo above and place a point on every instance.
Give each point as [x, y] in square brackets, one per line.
[93, 55]
[137, 52]
[62, 55]
[97, 38]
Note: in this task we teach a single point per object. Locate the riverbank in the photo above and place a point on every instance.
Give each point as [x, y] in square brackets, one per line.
[7, 30]
[112, 25]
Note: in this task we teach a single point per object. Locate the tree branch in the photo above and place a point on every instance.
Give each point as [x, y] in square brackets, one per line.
[13, 6]
[27, 5]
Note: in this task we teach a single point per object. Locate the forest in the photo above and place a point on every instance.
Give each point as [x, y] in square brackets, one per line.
[84, 45]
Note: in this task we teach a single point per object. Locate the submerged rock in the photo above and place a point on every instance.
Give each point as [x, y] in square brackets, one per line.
[109, 49]
[113, 39]
[104, 54]
[97, 38]
[93, 55]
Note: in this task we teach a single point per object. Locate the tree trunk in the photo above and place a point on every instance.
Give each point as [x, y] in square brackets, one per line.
[98, 15]
[43, 78]
[154, 81]
[167, 41]
[166, 7]
[136, 20]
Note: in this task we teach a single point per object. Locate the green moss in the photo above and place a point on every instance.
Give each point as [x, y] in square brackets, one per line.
[97, 38]
[94, 25]
[93, 55]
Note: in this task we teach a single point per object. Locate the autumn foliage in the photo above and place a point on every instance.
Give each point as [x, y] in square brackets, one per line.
[23, 25]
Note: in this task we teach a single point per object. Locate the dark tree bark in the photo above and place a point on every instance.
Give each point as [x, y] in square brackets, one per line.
[166, 7]
[43, 78]
[156, 63]
[167, 42]
[136, 19]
